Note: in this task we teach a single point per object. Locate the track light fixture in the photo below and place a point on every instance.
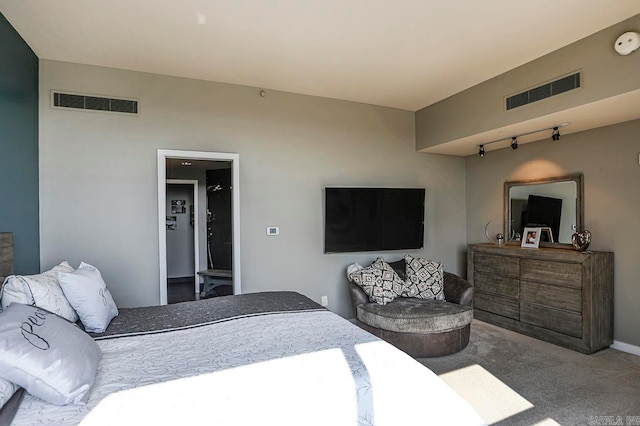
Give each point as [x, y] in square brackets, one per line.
[514, 143]
[555, 135]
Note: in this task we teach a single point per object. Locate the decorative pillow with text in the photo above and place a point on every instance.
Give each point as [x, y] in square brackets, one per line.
[41, 290]
[89, 296]
[47, 355]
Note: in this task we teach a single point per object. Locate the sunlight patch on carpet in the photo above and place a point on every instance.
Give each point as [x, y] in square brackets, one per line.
[492, 399]
[546, 422]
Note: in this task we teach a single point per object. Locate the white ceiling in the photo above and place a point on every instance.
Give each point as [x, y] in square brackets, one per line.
[404, 54]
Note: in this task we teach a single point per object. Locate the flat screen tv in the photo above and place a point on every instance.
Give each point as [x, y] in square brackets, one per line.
[544, 211]
[373, 219]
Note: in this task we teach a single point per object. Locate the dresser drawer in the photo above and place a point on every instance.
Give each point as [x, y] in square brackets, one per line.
[499, 305]
[496, 284]
[549, 272]
[497, 265]
[564, 322]
[568, 299]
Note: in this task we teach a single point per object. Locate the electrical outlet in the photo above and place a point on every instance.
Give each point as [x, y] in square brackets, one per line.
[273, 230]
[325, 301]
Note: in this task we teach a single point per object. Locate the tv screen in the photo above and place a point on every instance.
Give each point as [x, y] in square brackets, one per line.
[373, 219]
[544, 211]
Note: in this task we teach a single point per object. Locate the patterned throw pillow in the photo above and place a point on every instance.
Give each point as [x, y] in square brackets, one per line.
[424, 279]
[379, 281]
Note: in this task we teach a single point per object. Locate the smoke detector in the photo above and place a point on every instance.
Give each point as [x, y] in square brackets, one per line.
[627, 43]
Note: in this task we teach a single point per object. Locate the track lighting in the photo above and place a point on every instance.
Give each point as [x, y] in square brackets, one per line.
[514, 139]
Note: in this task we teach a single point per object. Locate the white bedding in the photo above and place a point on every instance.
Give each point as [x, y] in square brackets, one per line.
[303, 368]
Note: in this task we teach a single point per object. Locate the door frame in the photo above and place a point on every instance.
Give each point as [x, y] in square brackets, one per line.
[196, 243]
[234, 159]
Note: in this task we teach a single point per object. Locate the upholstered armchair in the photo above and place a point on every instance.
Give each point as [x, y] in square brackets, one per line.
[422, 328]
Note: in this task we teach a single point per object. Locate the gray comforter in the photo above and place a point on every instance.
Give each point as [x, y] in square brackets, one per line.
[155, 319]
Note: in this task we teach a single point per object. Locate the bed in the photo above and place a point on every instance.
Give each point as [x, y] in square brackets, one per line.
[253, 359]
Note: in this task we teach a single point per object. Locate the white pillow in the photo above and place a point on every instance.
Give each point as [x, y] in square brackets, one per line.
[354, 267]
[14, 291]
[47, 355]
[88, 294]
[7, 389]
[41, 290]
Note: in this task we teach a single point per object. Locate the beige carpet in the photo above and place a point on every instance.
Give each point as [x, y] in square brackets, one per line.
[512, 379]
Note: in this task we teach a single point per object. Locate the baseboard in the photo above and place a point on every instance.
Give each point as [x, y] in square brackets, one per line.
[626, 347]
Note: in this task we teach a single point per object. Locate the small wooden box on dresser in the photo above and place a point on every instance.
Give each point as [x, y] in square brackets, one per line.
[558, 295]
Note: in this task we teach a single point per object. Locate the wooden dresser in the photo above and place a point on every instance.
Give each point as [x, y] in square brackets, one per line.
[558, 295]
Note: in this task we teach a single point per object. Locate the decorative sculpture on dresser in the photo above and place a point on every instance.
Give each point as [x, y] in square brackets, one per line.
[581, 240]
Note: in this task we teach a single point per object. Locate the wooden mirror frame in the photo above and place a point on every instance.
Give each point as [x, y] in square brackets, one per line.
[575, 177]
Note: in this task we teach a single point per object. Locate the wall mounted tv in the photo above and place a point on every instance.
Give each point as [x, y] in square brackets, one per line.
[544, 211]
[373, 219]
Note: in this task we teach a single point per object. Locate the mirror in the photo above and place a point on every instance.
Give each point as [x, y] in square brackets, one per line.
[554, 202]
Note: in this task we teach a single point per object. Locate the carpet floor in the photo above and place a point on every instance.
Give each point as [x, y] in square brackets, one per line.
[513, 379]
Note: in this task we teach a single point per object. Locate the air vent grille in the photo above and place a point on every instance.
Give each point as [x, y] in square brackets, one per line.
[545, 91]
[94, 103]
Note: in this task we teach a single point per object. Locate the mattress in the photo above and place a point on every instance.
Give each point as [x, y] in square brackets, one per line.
[287, 361]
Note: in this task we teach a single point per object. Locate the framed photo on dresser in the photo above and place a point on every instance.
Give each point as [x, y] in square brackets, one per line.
[531, 237]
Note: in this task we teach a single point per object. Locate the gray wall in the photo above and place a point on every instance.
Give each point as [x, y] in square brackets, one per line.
[290, 146]
[481, 108]
[19, 148]
[608, 157]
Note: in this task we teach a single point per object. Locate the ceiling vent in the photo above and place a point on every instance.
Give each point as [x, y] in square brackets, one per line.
[93, 103]
[547, 90]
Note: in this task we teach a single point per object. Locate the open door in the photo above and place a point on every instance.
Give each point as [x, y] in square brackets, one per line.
[210, 270]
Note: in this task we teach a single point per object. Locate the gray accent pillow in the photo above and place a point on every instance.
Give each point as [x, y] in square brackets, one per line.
[400, 266]
[88, 294]
[34, 341]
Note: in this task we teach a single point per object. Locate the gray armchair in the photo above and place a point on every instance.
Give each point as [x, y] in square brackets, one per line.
[421, 328]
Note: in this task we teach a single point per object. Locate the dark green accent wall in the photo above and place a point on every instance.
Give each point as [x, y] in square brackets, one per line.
[19, 147]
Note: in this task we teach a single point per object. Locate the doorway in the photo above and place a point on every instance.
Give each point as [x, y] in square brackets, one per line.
[197, 163]
[183, 261]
